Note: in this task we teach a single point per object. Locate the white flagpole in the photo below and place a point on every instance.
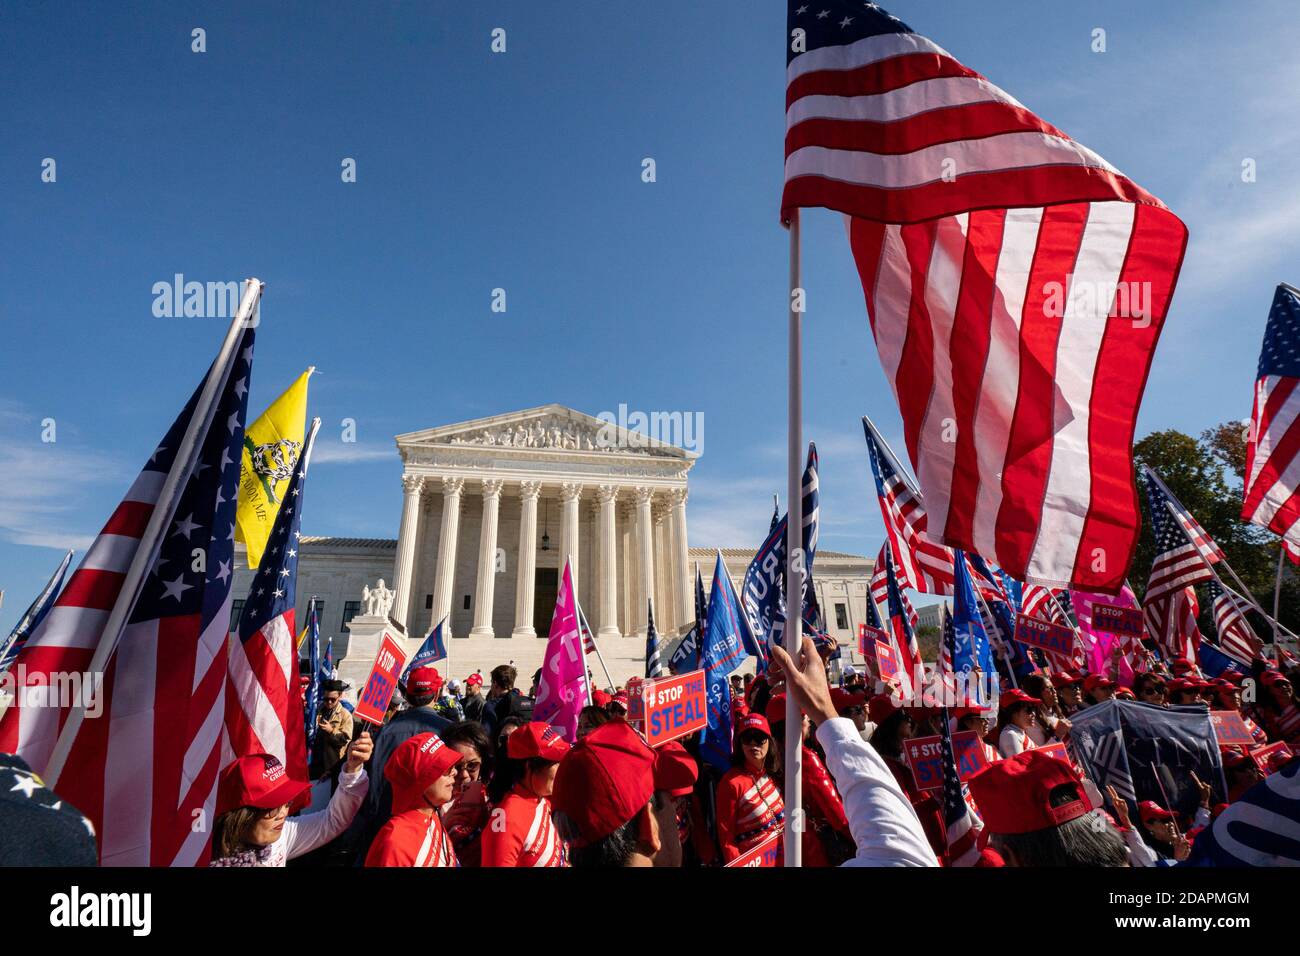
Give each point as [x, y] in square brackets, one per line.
[794, 558]
[146, 551]
[600, 657]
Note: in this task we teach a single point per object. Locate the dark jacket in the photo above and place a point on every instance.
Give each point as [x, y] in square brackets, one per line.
[378, 807]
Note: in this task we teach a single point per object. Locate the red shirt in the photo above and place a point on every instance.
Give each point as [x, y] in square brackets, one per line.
[412, 839]
[520, 833]
[749, 809]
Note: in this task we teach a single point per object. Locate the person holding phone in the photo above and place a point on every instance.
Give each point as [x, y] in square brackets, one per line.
[466, 816]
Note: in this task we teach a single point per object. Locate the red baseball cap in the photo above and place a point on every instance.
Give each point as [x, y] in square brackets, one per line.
[1015, 696]
[621, 699]
[1232, 759]
[422, 681]
[1150, 810]
[604, 781]
[1124, 693]
[1014, 794]
[474, 679]
[258, 780]
[1066, 678]
[675, 769]
[536, 739]
[416, 763]
[842, 699]
[600, 698]
[1181, 684]
[1271, 677]
[1093, 681]
[880, 708]
[775, 709]
[1181, 666]
[757, 721]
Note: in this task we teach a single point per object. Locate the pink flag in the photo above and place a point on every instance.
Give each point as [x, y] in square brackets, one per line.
[1099, 646]
[562, 689]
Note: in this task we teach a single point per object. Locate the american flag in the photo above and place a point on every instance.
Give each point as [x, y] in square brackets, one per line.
[653, 665]
[999, 261]
[1236, 636]
[1170, 605]
[1046, 603]
[901, 629]
[1273, 445]
[263, 707]
[588, 639]
[880, 584]
[961, 829]
[33, 616]
[145, 769]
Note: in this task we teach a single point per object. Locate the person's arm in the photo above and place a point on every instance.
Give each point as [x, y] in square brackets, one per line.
[501, 842]
[1139, 854]
[885, 828]
[305, 833]
[726, 815]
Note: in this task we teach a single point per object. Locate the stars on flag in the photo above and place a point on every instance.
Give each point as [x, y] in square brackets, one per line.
[185, 527]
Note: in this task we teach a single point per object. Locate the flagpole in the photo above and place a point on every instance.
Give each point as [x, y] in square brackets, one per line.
[1277, 591]
[599, 656]
[146, 550]
[794, 558]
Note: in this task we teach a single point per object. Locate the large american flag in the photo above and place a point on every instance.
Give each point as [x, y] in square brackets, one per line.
[1170, 605]
[1273, 445]
[144, 771]
[264, 709]
[902, 630]
[961, 828]
[1015, 281]
[1236, 636]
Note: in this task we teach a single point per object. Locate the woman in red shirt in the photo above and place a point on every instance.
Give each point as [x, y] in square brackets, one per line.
[749, 806]
[519, 831]
[827, 840]
[422, 774]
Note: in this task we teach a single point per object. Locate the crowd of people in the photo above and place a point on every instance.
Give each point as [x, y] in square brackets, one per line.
[461, 775]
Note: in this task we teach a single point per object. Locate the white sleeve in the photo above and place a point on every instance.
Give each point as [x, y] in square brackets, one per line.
[1202, 818]
[305, 833]
[1139, 854]
[1010, 742]
[885, 827]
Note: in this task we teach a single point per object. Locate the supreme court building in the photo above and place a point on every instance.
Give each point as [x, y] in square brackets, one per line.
[491, 508]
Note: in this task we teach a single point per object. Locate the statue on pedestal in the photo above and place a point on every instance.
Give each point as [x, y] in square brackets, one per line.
[377, 601]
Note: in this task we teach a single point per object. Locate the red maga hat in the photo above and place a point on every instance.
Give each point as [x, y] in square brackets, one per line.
[1093, 681]
[776, 709]
[604, 781]
[536, 739]
[1271, 677]
[842, 700]
[1015, 696]
[474, 679]
[675, 769]
[599, 698]
[1149, 810]
[880, 708]
[1014, 795]
[258, 780]
[415, 765]
[423, 681]
[756, 721]
[1066, 678]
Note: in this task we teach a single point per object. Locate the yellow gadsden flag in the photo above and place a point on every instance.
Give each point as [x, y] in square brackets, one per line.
[271, 448]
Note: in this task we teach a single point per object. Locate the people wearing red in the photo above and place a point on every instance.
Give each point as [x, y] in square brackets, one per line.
[520, 832]
[749, 806]
[823, 809]
[420, 772]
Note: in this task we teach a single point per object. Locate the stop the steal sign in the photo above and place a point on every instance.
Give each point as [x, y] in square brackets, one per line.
[668, 707]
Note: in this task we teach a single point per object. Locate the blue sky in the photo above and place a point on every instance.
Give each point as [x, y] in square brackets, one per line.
[522, 171]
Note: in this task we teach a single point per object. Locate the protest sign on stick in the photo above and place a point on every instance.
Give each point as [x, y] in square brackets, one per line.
[667, 708]
[378, 690]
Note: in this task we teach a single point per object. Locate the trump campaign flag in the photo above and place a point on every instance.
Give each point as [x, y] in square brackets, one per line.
[1260, 828]
[34, 614]
[144, 622]
[1016, 285]
[318, 672]
[721, 652]
[1273, 444]
[272, 446]
[971, 650]
[562, 688]
[263, 706]
[432, 650]
[762, 591]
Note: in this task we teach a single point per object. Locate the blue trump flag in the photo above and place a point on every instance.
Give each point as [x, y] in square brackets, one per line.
[1147, 752]
[1262, 828]
[312, 707]
[433, 649]
[1215, 661]
[970, 642]
[763, 587]
[686, 655]
[721, 653]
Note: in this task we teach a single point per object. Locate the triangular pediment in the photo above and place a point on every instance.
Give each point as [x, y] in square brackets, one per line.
[552, 428]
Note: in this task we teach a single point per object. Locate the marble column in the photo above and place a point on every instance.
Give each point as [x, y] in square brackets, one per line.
[663, 609]
[606, 495]
[626, 558]
[444, 575]
[487, 559]
[406, 538]
[527, 583]
[645, 555]
[570, 493]
[683, 580]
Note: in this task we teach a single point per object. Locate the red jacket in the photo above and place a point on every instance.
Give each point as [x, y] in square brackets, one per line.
[749, 808]
[412, 839]
[823, 807]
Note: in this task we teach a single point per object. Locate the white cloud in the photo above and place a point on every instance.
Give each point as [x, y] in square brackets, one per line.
[44, 485]
[340, 453]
